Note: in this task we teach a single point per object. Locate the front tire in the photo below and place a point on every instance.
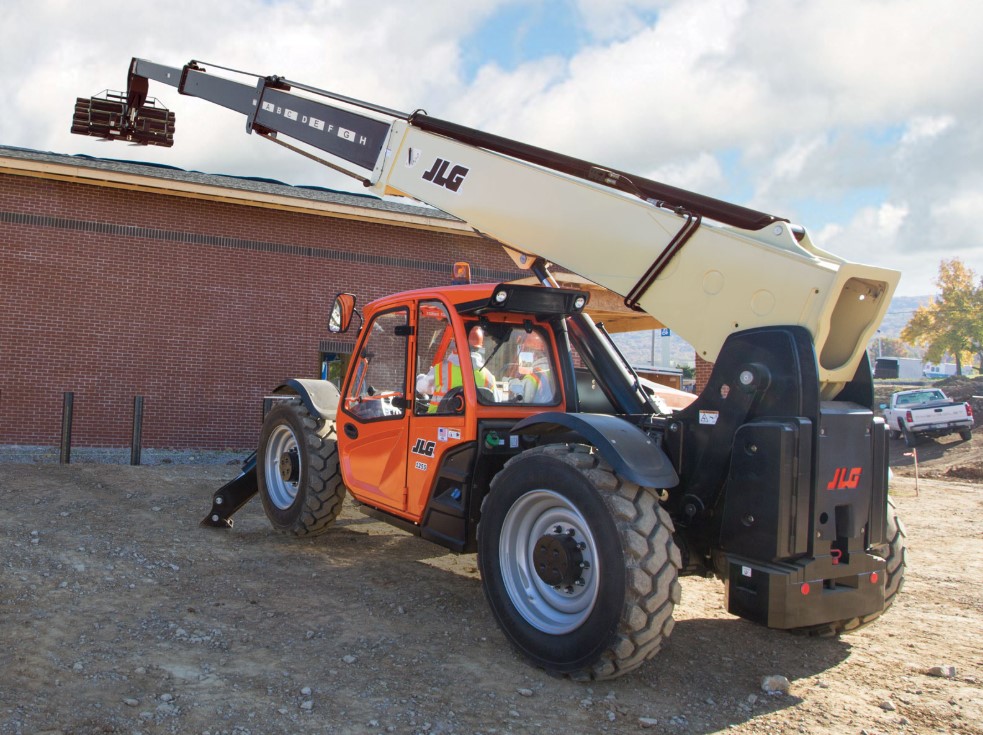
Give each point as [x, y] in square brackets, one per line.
[297, 470]
[578, 565]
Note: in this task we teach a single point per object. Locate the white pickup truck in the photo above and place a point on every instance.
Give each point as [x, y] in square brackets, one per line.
[926, 412]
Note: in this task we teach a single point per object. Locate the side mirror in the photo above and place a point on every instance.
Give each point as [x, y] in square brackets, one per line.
[883, 406]
[341, 313]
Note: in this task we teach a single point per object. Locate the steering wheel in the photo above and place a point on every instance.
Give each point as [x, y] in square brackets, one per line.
[452, 402]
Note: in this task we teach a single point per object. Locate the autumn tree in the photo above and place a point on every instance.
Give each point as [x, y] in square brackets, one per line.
[953, 322]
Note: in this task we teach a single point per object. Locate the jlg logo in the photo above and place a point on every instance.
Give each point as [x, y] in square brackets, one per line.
[844, 479]
[424, 447]
[439, 176]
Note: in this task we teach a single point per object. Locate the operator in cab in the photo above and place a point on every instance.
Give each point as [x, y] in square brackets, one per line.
[446, 374]
[538, 382]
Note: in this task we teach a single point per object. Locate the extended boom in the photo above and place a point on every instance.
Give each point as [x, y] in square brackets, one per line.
[703, 267]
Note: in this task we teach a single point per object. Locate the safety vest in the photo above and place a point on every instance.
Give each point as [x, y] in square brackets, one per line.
[447, 375]
[484, 379]
[534, 385]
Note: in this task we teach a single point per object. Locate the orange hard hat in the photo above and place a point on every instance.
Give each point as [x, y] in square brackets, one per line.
[534, 341]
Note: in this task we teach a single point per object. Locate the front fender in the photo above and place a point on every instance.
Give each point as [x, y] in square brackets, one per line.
[631, 452]
[321, 397]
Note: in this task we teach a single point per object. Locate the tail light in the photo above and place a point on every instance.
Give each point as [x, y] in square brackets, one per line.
[908, 418]
[969, 410]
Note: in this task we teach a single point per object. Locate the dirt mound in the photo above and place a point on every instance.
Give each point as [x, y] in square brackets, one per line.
[961, 388]
[972, 472]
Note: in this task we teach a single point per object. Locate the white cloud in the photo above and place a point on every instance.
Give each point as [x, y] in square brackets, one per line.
[872, 232]
[957, 220]
[702, 173]
[926, 128]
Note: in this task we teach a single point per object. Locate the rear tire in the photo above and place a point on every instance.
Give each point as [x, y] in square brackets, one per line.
[910, 439]
[578, 565]
[894, 553]
[966, 434]
[297, 470]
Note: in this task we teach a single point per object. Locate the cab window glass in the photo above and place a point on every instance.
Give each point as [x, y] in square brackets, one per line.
[512, 365]
[377, 387]
[439, 373]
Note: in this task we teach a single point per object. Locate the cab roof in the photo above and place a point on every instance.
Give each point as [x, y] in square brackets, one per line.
[483, 298]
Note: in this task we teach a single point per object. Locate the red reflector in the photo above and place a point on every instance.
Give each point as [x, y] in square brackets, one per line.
[873, 577]
[805, 588]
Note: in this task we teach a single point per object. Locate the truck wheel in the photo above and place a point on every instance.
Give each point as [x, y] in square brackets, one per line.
[910, 439]
[894, 554]
[966, 434]
[578, 565]
[297, 470]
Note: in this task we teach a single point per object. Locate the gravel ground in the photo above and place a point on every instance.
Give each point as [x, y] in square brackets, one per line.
[119, 614]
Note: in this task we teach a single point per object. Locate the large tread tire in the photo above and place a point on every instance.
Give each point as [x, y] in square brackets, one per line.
[633, 572]
[895, 554]
[297, 470]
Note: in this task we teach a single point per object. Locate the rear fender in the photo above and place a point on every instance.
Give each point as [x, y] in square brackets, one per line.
[321, 397]
[632, 453]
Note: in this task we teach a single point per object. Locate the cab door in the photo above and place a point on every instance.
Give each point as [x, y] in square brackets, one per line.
[444, 399]
[373, 423]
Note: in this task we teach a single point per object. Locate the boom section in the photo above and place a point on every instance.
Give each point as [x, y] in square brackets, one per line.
[703, 267]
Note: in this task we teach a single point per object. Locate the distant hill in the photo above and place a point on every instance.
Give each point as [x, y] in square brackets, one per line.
[899, 313]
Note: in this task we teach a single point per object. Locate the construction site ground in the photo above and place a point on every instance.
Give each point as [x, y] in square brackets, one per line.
[119, 614]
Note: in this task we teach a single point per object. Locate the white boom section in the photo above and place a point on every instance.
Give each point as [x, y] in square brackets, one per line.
[723, 280]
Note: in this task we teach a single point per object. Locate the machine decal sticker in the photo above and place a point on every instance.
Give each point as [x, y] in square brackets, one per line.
[439, 176]
[422, 466]
[709, 417]
[444, 434]
[424, 447]
[843, 481]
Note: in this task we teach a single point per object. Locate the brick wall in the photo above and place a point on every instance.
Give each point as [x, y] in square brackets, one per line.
[703, 370]
[201, 307]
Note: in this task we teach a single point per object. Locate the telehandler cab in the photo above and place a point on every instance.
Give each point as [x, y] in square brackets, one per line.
[498, 418]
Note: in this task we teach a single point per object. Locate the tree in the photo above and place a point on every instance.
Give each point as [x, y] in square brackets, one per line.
[953, 322]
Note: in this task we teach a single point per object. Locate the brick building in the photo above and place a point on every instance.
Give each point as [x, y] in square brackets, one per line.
[198, 292]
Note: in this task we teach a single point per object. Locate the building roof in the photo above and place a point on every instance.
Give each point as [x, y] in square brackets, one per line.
[248, 191]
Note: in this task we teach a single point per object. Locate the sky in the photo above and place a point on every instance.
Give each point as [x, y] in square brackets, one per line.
[858, 119]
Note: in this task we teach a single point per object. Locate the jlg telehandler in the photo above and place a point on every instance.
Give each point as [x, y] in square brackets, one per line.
[500, 419]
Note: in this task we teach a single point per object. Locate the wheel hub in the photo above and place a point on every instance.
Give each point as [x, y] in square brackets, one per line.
[558, 559]
[289, 466]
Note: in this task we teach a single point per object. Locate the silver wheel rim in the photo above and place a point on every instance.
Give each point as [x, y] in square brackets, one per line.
[553, 610]
[282, 443]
